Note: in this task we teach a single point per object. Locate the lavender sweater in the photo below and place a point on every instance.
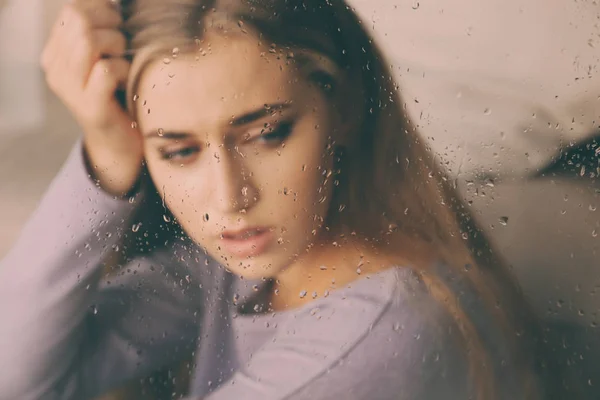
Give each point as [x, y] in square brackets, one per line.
[68, 333]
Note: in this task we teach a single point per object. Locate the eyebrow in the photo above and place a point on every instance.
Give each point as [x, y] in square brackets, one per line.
[252, 116]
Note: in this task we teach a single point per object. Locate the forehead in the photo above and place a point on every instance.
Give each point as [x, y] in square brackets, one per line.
[226, 77]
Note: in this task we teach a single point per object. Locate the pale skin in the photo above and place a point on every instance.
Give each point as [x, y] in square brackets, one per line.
[84, 67]
[220, 158]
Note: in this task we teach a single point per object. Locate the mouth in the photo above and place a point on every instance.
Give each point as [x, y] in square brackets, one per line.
[247, 242]
[242, 234]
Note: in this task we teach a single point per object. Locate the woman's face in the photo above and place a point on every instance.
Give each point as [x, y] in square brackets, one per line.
[235, 143]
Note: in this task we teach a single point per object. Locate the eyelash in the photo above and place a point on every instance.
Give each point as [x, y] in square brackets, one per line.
[278, 134]
[181, 153]
[270, 137]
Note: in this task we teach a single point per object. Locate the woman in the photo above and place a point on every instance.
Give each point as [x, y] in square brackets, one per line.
[266, 137]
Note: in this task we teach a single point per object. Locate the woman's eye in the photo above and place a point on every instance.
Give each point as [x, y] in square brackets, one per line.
[275, 134]
[182, 154]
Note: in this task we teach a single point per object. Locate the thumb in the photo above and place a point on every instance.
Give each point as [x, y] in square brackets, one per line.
[107, 75]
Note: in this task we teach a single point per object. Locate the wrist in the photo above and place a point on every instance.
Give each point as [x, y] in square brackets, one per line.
[118, 176]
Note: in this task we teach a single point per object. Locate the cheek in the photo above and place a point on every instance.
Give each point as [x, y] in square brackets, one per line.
[293, 185]
[181, 190]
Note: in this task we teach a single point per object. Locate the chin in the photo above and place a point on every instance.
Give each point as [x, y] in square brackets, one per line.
[252, 270]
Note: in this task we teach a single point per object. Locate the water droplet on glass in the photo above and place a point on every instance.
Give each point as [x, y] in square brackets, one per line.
[323, 268]
[416, 5]
[303, 294]
[504, 221]
[166, 60]
[135, 97]
[595, 233]
[134, 125]
[175, 51]
[205, 217]
[487, 111]
[245, 191]
[136, 227]
[166, 218]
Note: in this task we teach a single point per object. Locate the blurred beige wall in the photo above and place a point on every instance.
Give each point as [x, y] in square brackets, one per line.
[36, 131]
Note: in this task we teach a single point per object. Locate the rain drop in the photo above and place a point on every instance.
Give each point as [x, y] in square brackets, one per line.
[560, 303]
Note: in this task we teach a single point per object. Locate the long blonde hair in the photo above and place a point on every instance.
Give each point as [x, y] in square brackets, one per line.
[392, 188]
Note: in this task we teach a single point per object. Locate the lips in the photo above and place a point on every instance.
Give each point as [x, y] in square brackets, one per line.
[247, 242]
[243, 234]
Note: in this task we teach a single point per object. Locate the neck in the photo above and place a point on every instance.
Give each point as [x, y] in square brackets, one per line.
[329, 265]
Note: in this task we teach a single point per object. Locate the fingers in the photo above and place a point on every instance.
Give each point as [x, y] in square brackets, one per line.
[92, 14]
[106, 77]
[89, 49]
[85, 32]
[75, 20]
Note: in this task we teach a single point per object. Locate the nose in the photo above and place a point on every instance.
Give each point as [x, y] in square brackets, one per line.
[233, 187]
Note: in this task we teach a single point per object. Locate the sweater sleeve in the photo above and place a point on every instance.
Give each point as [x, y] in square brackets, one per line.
[66, 333]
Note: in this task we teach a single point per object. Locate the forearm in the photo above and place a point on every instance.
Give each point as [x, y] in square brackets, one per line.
[48, 280]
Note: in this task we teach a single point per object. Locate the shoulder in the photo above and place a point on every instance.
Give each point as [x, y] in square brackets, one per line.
[399, 341]
[381, 336]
